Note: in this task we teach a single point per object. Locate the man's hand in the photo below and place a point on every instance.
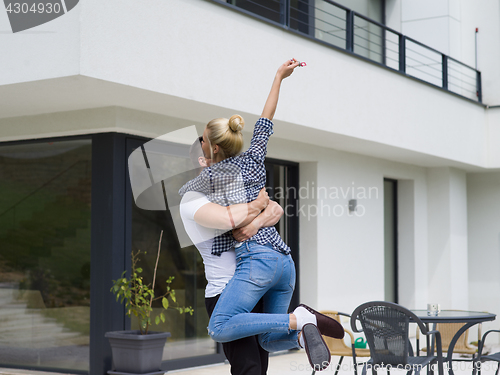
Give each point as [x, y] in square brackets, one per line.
[248, 231]
[269, 217]
[262, 200]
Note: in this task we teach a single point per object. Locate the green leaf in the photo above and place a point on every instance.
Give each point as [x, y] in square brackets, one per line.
[162, 317]
[157, 320]
[165, 303]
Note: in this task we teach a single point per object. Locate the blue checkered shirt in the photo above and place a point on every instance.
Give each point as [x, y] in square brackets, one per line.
[239, 179]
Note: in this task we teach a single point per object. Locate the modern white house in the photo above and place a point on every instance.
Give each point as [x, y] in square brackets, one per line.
[385, 156]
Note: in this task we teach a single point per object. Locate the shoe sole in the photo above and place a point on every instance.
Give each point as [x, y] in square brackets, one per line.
[316, 349]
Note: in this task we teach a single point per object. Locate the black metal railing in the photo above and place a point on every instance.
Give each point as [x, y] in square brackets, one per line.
[341, 27]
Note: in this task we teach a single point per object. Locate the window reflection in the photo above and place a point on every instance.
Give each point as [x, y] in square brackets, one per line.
[45, 254]
[189, 337]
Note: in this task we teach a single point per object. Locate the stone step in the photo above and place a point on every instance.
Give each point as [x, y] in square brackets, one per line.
[16, 340]
[23, 325]
[21, 320]
[13, 307]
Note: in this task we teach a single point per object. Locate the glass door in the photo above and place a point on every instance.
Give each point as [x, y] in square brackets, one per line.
[391, 240]
[282, 186]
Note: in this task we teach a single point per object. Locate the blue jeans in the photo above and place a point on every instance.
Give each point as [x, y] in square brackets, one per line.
[261, 272]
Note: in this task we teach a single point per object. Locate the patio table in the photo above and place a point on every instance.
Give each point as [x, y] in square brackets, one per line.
[470, 318]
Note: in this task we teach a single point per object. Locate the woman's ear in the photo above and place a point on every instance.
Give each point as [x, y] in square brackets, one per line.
[216, 149]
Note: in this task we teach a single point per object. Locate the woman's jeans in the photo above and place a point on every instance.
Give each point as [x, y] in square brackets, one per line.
[261, 272]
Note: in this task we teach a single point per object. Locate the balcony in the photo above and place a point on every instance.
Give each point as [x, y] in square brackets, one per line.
[341, 28]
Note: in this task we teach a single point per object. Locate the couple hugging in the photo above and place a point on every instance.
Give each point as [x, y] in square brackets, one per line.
[250, 272]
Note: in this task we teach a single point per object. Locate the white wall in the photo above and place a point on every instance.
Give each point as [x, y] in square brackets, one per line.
[89, 121]
[44, 52]
[483, 193]
[435, 23]
[408, 277]
[493, 137]
[447, 220]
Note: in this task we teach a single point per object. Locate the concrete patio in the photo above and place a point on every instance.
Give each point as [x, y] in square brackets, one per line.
[296, 363]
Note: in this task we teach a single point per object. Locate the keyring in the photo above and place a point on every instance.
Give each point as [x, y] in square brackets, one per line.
[301, 64]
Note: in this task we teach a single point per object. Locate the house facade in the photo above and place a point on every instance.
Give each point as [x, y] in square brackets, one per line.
[385, 157]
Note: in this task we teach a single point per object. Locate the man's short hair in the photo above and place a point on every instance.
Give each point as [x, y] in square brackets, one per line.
[195, 152]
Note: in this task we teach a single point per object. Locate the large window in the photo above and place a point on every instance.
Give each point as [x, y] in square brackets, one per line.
[331, 26]
[45, 254]
[294, 13]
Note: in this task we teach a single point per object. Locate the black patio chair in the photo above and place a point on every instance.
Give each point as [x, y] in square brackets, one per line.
[386, 328]
[483, 358]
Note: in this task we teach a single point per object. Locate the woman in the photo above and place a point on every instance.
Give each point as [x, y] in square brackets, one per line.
[245, 355]
[264, 267]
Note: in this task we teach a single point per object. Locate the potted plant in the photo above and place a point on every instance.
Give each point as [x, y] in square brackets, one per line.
[140, 351]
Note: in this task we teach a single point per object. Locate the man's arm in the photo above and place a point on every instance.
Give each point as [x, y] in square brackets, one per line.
[285, 70]
[212, 215]
[270, 216]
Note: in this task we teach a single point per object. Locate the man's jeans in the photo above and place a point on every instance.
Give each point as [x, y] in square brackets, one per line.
[261, 272]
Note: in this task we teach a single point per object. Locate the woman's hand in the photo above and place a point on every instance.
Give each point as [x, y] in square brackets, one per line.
[246, 232]
[286, 69]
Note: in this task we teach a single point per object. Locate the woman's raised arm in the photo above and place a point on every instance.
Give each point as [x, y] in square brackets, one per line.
[285, 70]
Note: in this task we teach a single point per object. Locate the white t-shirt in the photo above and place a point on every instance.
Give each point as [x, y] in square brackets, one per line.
[218, 270]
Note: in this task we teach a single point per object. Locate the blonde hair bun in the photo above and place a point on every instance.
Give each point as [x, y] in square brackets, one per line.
[236, 123]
